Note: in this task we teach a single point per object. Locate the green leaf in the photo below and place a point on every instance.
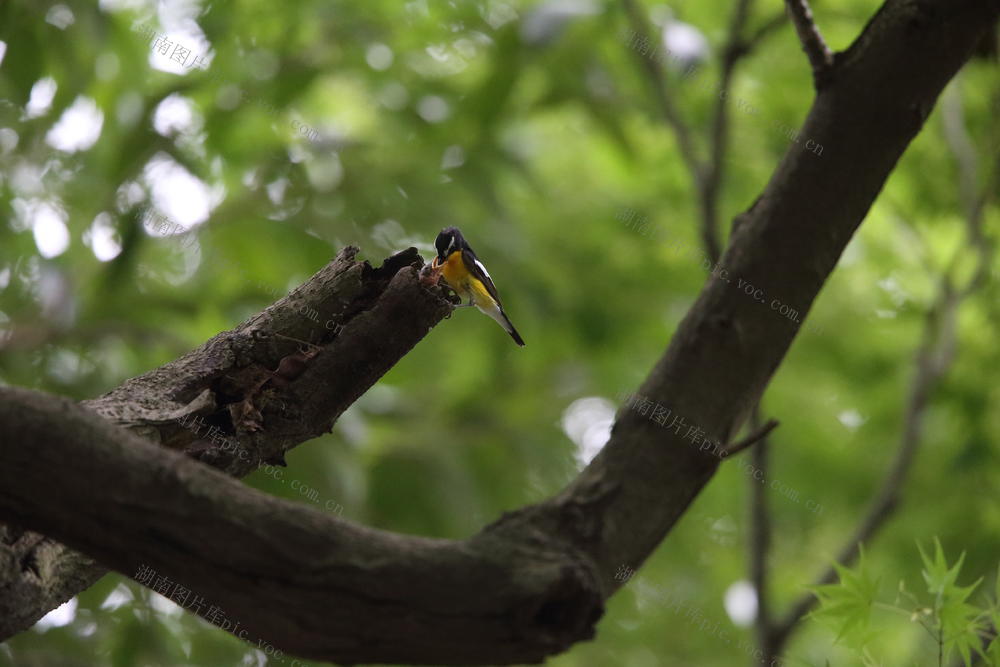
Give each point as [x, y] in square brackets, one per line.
[959, 622]
[847, 605]
[936, 572]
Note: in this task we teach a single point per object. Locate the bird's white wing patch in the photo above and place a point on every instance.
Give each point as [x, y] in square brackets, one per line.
[483, 269]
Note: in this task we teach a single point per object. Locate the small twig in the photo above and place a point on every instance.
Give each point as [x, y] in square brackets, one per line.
[756, 436]
[819, 54]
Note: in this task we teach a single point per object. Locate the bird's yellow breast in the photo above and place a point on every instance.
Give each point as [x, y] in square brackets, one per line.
[456, 274]
[463, 282]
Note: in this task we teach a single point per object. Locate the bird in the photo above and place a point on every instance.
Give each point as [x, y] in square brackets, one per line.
[467, 276]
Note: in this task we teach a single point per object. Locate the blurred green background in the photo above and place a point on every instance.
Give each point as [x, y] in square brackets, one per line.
[289, 131]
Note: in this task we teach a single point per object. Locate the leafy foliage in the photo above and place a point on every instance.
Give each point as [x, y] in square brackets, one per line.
[953, 624]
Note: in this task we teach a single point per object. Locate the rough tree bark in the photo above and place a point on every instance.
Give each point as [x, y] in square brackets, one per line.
[533, 582]
[365, 320]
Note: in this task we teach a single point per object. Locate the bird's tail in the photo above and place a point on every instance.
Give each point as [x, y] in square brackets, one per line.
[496, 312]
[512, 331]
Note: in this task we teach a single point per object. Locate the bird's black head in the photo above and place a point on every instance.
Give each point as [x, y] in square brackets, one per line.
[448, 241]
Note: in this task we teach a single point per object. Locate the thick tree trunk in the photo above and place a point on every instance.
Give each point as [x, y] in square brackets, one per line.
[533, 582]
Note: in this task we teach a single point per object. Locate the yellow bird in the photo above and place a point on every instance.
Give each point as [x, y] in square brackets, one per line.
[469, 278]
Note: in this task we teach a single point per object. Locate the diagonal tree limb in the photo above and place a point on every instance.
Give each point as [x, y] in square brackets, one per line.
[620, 507]
[365, 319]
[819, 54]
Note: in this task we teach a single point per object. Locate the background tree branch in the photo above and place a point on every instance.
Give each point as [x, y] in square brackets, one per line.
[656, 74]
[706, 175]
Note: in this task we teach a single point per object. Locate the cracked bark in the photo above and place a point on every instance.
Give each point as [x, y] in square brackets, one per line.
[325, 588]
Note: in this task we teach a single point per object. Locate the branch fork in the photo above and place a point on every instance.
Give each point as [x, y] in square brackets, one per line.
[820, 56]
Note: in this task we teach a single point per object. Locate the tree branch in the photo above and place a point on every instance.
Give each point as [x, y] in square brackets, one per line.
[547, 566]
[364, 319]
[758, 434]
[305, 581]
[819, 54]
